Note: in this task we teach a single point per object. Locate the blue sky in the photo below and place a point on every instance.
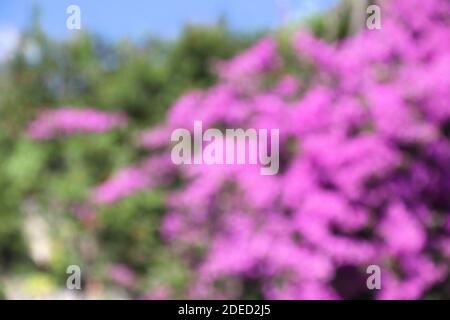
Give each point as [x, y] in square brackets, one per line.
[115, 19]
[165, 18]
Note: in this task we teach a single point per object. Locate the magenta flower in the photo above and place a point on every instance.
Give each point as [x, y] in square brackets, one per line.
[68, 120]
[122, 275]
[364, 178]
[259, 58]
[123, 183]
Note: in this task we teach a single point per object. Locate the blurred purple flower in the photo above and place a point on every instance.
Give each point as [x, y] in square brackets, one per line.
[123, 183]
[68, 120]
[122, 275]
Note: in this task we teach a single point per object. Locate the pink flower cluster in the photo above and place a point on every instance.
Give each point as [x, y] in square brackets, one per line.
[149, 173]
[259, 58]
[69, 120]
[121, 274]
[365, 167]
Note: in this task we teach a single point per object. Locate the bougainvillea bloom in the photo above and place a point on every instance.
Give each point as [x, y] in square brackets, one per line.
[69, 120]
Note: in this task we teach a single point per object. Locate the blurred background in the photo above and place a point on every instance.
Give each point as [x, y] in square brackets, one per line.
[133, 58]
[136, 57]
